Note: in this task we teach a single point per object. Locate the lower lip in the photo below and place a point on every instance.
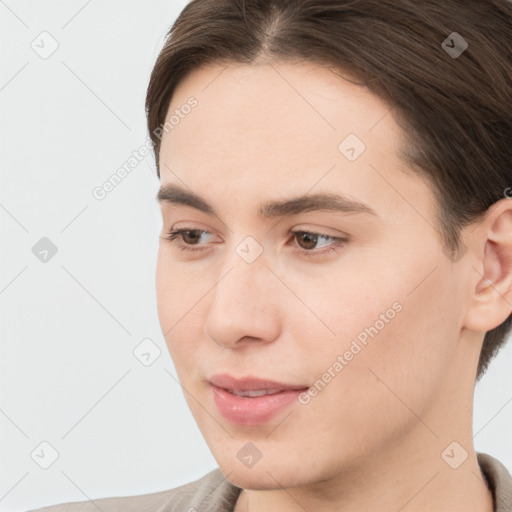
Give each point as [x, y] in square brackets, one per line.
[251, 411]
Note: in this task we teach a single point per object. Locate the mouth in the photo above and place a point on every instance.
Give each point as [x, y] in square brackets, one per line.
[254, 393]
[250, 384]
[251, 401]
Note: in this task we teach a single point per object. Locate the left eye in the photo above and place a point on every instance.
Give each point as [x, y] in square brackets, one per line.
[309, 238]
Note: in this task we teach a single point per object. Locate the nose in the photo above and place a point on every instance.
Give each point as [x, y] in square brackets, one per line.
[245, 305]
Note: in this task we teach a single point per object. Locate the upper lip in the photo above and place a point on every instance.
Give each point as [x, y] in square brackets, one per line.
[250, 383]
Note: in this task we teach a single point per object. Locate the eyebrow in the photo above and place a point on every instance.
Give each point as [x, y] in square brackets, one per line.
[174, 194]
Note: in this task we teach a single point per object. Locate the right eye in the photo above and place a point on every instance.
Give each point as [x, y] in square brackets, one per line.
[174, 237]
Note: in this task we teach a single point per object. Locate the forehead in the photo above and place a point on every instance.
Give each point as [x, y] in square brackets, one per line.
[278, 101]
[279, 125]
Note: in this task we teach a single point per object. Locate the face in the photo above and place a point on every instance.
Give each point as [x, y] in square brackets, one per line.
[353, 301]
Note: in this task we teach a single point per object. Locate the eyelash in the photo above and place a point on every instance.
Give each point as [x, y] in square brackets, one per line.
[173, 238]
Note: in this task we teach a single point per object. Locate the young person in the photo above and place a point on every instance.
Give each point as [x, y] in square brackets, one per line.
[335, 266]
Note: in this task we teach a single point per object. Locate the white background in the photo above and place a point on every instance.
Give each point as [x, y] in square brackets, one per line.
[69, 326]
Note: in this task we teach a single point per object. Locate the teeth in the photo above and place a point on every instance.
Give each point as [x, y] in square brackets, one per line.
[255, 393]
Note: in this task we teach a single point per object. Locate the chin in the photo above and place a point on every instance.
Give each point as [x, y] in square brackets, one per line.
[262, 478]
[257, 482]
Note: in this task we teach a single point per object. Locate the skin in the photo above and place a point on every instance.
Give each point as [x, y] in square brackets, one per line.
[372, 438]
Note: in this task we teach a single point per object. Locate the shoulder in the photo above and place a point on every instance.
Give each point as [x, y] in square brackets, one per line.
[211, 492]
[499, 480]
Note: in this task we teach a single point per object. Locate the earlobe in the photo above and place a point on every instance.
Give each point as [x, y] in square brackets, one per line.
[491, 303]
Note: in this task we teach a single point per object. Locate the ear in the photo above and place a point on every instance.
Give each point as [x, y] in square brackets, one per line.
[491, 301]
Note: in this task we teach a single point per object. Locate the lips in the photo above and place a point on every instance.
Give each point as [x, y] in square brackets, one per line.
[232, 384]
[254, 393]
[250, 401]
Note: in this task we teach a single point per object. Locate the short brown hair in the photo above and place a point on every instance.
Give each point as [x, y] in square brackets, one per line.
[454, 103]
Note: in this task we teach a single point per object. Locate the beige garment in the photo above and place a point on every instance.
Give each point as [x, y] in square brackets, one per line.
[213, 493]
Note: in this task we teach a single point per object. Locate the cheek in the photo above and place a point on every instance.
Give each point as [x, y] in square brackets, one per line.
[179, 287]
[179, 296]
[419, 344]
[337, 306]
[399, 320]
[403, 361]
